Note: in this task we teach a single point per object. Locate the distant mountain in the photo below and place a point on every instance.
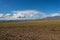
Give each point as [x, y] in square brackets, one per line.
[15, 20]
[52, 18]
[12, 20]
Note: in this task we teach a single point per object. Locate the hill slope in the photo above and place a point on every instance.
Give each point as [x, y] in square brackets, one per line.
[52, 18]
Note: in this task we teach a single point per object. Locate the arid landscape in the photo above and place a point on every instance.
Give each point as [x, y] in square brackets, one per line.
[30, 30]
[29, 19]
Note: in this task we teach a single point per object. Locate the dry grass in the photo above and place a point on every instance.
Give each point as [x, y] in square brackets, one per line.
[30, 30]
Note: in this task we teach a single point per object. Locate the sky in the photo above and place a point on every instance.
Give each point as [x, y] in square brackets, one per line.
[28, 9]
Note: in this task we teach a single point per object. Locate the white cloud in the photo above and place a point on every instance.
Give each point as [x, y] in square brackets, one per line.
[27, 14]
[1, 15]
[55, 14]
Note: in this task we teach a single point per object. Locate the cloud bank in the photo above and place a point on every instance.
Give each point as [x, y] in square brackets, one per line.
[26, 15]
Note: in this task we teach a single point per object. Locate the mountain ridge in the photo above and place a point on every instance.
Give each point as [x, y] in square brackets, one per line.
[47, 18]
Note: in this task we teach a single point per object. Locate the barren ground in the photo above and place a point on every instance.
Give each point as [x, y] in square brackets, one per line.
[30, 30]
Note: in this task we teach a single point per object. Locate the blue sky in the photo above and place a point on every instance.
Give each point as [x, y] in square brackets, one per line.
[42, 5]
[11, 7]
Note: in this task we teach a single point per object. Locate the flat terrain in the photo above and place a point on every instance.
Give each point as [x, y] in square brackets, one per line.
[30, 30]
